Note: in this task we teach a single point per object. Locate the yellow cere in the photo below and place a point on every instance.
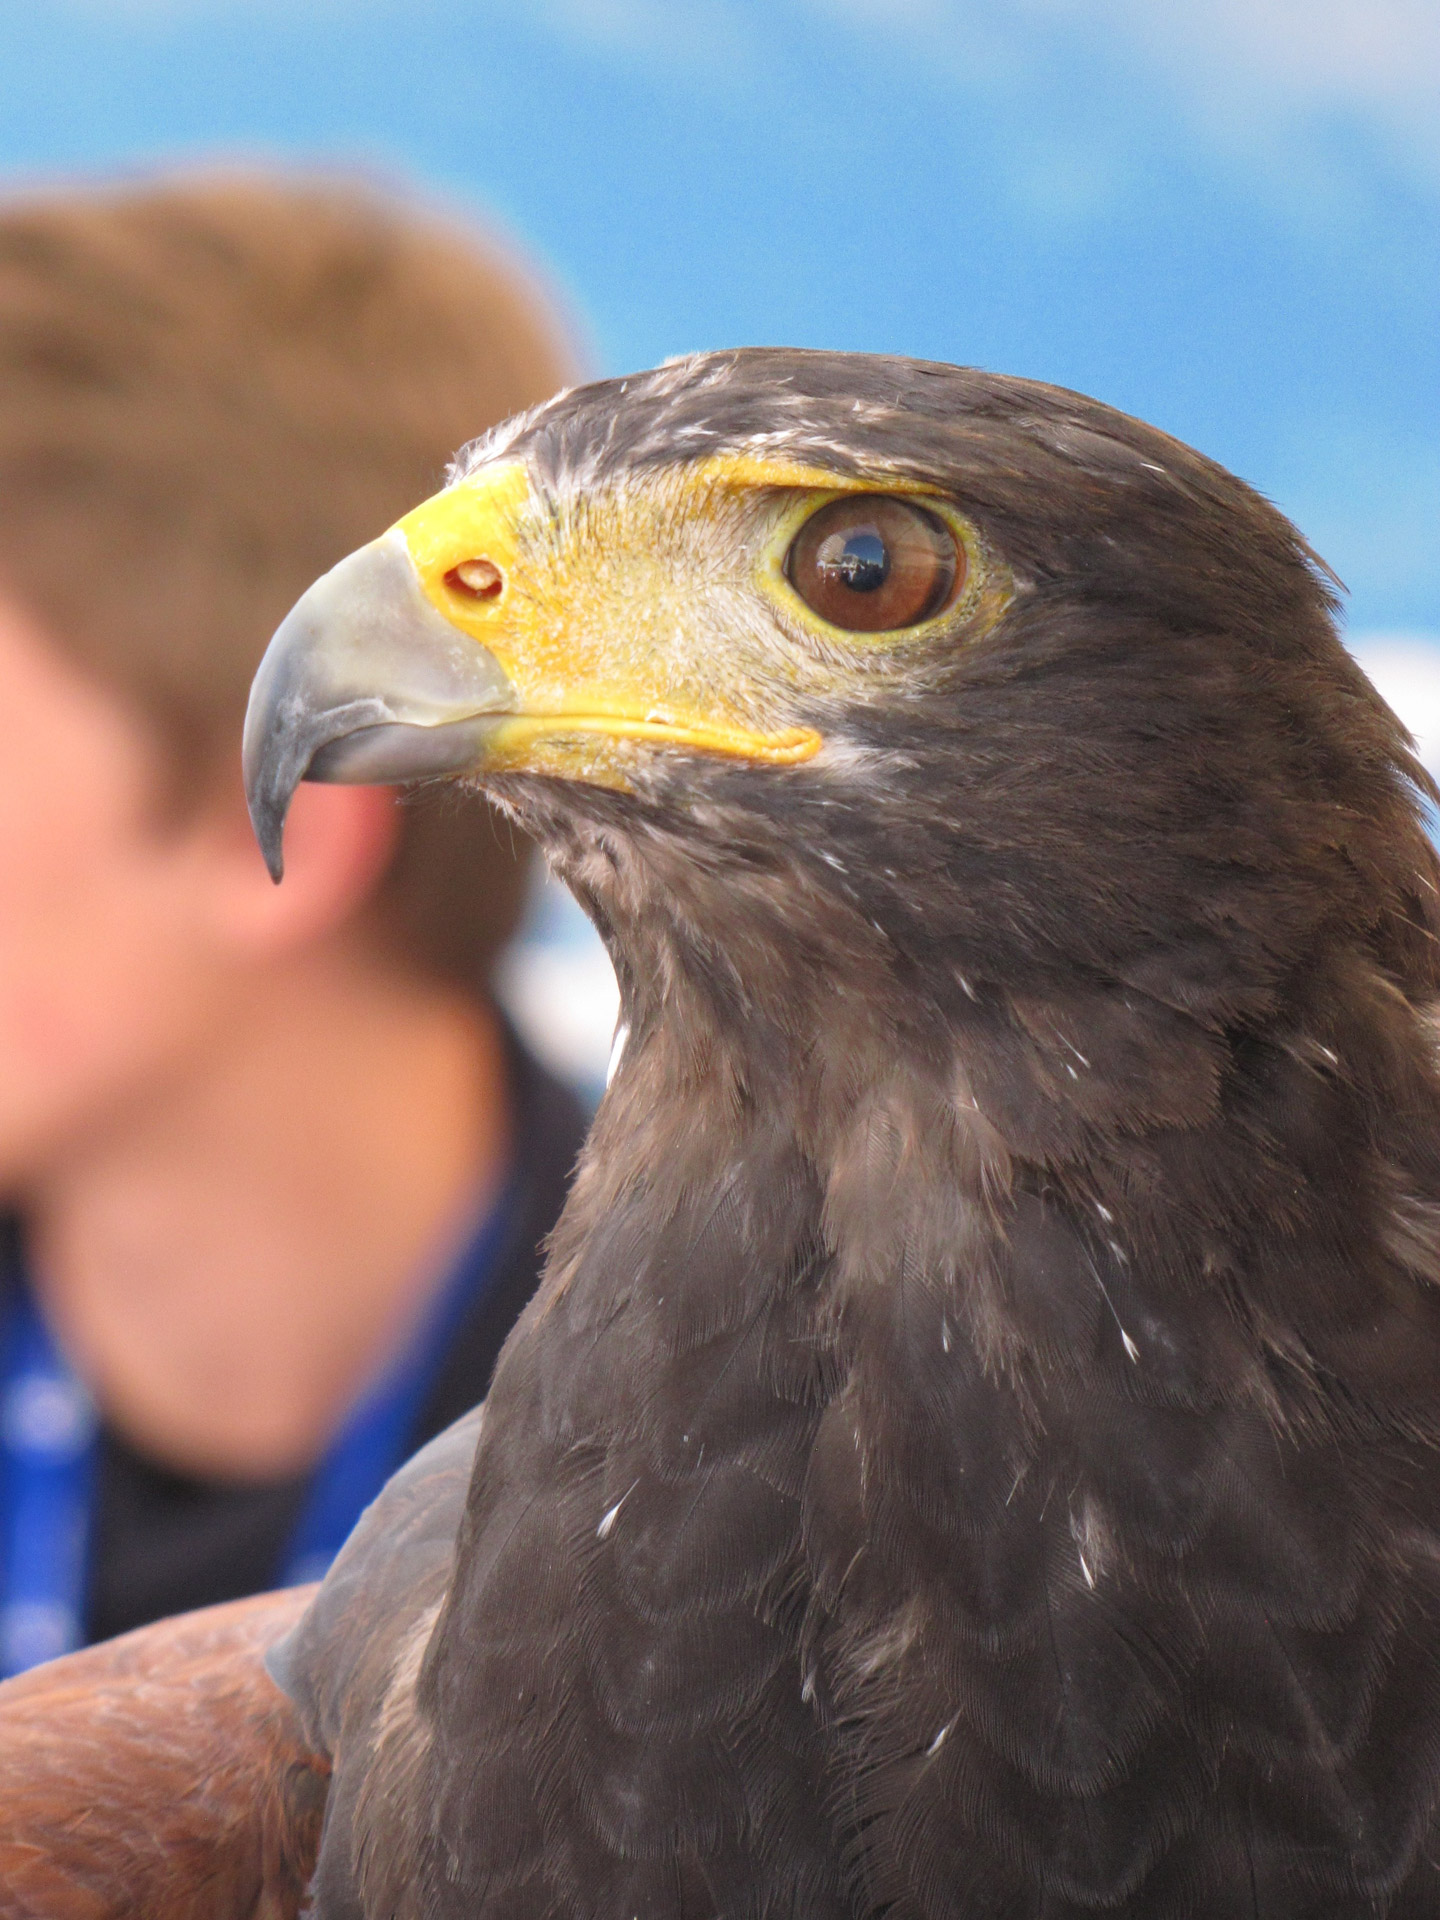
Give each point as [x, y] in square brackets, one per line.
[476, 519]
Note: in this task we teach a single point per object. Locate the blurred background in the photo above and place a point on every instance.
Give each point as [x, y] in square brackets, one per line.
[1223, 215]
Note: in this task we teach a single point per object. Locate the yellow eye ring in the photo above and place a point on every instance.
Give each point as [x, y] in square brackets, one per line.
[881, 567]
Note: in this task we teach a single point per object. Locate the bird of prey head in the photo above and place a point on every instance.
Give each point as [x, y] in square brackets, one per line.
[975, 1454]
[1003, 717]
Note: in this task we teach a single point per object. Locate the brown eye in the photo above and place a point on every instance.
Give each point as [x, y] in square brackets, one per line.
[476, 579]
[871, 564]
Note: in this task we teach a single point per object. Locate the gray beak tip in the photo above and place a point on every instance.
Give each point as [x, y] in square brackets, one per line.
[270, 831]
[364, 682]
[268, 808]
[273, 768]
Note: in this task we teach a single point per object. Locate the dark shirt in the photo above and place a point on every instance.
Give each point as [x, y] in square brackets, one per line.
[164, 1541]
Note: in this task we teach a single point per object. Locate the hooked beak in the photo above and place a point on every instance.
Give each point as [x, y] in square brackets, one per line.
[365, 681]
[468, 638]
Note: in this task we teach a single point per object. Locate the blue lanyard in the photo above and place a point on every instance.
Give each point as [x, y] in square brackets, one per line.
[49, 1443]
[375, 1437]
[48, 1432]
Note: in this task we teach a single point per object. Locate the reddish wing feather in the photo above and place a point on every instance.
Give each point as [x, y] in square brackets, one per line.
[161, 1775]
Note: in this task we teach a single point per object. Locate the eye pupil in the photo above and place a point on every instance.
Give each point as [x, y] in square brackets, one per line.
[859, 560]
[869, 563]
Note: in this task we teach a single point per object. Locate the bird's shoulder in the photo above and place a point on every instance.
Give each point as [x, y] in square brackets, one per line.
[393, 1570]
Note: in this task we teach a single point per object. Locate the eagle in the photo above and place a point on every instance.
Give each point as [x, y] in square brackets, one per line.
[975, 1452]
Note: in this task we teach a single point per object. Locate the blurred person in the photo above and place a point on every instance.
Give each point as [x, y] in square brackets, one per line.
[274, 1172]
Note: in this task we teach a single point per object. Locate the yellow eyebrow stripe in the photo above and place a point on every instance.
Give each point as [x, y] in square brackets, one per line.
[760, 470]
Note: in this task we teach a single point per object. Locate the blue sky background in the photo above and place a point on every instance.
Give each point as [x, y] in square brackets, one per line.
[1223, 215]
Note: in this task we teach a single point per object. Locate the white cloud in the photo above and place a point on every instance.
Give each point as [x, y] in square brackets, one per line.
[1249, 75]
[1260, 66]
[1405, 668]
[1245, 71]
[1385, 53]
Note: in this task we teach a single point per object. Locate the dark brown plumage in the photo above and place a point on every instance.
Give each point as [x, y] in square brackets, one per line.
[974, 1452]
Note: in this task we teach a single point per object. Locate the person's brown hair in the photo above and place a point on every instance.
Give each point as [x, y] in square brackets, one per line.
[213, 388]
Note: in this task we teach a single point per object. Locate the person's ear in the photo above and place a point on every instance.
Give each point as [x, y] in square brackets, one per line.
[338, 843]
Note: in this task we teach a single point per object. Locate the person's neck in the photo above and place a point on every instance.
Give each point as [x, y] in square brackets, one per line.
[229, 1262]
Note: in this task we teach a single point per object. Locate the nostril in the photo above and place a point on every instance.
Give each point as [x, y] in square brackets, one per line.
[476, 579]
